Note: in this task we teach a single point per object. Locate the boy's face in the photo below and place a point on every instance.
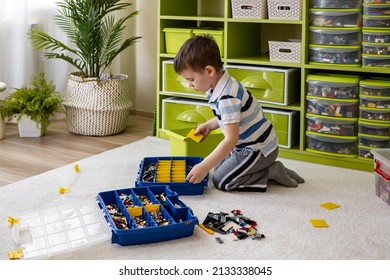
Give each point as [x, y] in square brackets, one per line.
[200, 80]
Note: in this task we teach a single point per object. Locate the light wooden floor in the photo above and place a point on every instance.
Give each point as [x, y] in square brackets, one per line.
[25, 157]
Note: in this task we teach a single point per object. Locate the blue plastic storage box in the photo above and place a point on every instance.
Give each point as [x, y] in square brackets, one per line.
[164, 217]
[170, 171]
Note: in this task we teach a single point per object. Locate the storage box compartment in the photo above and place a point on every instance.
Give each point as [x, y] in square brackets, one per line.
[344, 4]
[335, 36]
[181, 113]
[284, 9]
[182, 145]
[171, 172]
[175, 38]
[375, 87]
[376, 49]
[286, 125]
[376, 10]
[371, 114]
[335, 17]
[376, 21]
[341, 55]
[343, 108]
[374, 128]
[375, 102]
[365, 152]
[269, 85]
[150, 222]
[249, 9]
[374, 141]
[332, 126]
[218, 35]
[334, 145]
[285, 51]
[382, 171]
[376, 60]
[174, 83]
[376, 36]
[332, 86]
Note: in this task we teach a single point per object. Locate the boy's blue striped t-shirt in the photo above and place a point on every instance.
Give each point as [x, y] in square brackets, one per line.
[232, 103]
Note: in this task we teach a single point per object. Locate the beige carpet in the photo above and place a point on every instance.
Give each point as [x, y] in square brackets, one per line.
[359, 229]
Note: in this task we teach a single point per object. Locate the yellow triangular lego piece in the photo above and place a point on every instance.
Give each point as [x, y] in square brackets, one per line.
[197, 137]
[330, 205]
[319, 223]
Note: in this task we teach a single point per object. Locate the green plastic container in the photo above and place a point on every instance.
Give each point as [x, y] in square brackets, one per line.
[216, 34]
[286, 126]
[175, 38]
[181, 145]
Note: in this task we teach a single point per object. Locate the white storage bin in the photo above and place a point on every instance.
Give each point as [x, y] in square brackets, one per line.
[285, 51]
[284, 9]
[249, 9]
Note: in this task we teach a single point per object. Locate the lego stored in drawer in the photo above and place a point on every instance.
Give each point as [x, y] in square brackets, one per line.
[376, 10]
[334, 4]
[343, 108]
[170, 171]
[337, 55]
[335, 36]
[374, 141]
[374, 128]
[332, 85]
[376, 21]
[180, 113]
[344, 146]
[373, 114]
[375, 60]
[376, 49]
[335, 17]
[268, 84]
[375, 102]
[376, 36]
[375, 87]
[146, 214]
[331, 125]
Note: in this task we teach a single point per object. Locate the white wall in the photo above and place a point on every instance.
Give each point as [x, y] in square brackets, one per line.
[140, 62]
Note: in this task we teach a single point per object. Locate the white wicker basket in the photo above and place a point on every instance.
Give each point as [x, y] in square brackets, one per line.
[97, 107]
[285, 51]
[284, 9]
[249, 9]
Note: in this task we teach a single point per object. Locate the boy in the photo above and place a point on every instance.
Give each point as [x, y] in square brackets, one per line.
[246, 158]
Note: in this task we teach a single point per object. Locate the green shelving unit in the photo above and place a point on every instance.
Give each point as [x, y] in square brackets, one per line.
[246, 43]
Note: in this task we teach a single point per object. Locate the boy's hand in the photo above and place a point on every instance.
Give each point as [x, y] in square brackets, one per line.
[203, 129]
[197, 174]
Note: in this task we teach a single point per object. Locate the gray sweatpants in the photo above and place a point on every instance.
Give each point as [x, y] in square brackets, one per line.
[244, 170]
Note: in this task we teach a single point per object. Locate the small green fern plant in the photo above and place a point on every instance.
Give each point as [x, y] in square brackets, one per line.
[39, 101]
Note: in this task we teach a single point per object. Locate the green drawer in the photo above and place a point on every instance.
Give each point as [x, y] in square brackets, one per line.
[175, 38]
[268, 85]
[178, 113]
[286, 124]
[173, 82]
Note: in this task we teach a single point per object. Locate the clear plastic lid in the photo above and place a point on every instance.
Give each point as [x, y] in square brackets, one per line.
[61, 229]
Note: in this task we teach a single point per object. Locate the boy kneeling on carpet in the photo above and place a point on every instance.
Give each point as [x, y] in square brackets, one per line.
[246, 158]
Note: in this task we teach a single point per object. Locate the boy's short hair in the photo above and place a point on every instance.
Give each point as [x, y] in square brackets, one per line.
[198, 52]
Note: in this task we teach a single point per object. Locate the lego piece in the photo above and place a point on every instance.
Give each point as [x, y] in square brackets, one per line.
[319, 223]
[206, 229]
[13, 220]
[15, 255]
[195, 137]
[76, 168]
[219, 240]
[330, 205]
[63, 190]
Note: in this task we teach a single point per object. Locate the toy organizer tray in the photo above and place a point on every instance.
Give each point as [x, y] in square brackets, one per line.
[335, 36]
[171, 171]
[331, 89]
[332, 126]
[338, 55]
[343, 108]
[146, 214]
[335, 17]
[344, 4]
[345, 146]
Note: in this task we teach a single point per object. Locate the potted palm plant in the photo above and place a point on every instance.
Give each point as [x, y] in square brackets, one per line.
[97, 102]
[32, 105]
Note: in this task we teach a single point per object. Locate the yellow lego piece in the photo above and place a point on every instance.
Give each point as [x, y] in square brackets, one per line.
[206, 229]
[330, 205]
[15, 255]
[319, 223]
[76, 168]
[13, 220]
[193, 136]
[63, 190]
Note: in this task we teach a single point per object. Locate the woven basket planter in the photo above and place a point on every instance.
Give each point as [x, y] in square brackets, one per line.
[97, 107]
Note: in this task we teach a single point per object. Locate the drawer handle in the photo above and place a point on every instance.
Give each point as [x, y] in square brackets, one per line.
[256, 82]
